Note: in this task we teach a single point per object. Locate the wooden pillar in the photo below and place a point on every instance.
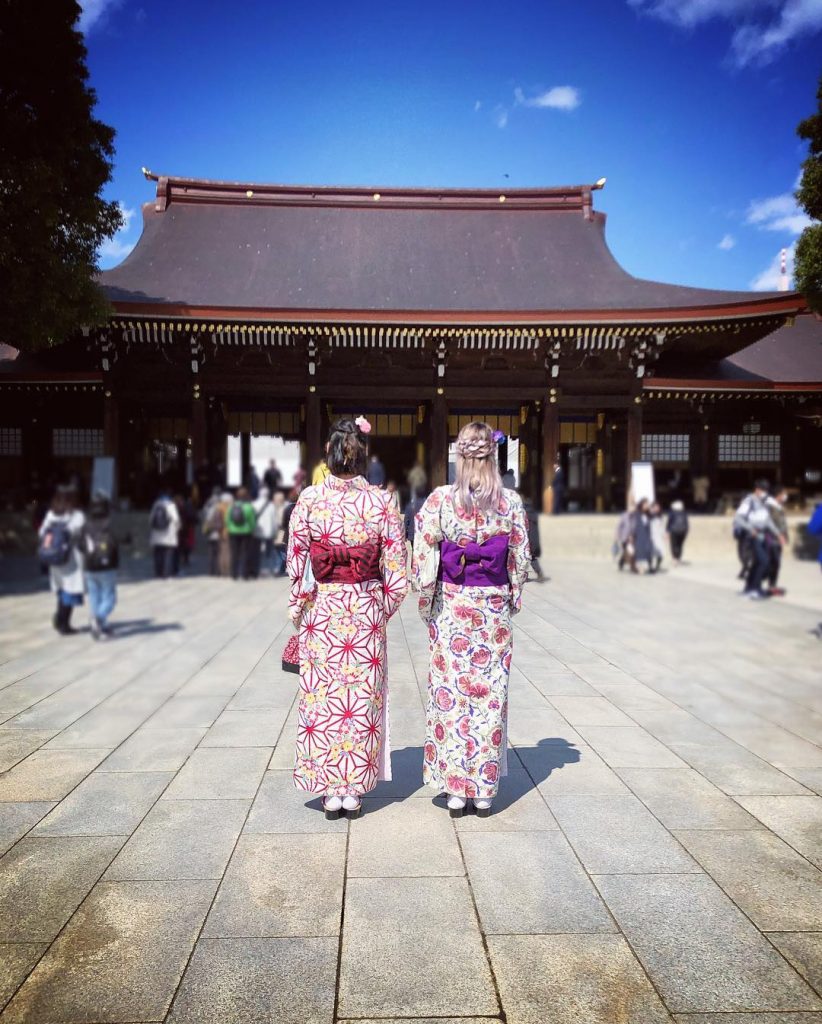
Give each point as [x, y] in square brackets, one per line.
[550, 450]
[111, 439]
[633, 447]
[199, 432]
[313, 432]
[439, 441]
[245, 456]
[601, 480]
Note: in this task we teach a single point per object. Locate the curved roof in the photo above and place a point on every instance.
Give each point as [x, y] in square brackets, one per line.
[229, 246]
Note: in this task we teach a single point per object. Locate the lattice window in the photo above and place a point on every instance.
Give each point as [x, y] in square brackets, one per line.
[71, 441]
[666, 447]
[749, 447]
[11, 441]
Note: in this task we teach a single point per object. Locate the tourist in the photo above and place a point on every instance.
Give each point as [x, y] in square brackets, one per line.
[417, 480]
[265, 527]
[657, 537]
[320, 473]
[558, 490]
[753, 520]
[59, 536]
[376, 472]
[411, 511]
[277, 560]
[624, 540]
[470, 563]
[393, 496]
[347, 564]
[509, 480]
[239, 523]
[273, 478]
[101, 557]
[164, 524]
[532, 517]
[776, 506]
[252, 483]
[187, 537]
[677, 530]
[641, 539]
[213, 519]
[814, 528]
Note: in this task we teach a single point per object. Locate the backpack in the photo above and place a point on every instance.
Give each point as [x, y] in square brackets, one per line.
[160, 519]
[237, 514]
[55, 545]
[101, 551]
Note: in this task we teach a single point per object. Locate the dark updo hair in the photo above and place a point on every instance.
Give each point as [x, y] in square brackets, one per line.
[346, 449]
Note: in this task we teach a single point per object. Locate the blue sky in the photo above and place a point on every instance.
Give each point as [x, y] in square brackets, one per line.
[688, 107]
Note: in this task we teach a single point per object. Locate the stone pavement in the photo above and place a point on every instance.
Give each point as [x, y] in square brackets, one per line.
[655, 853]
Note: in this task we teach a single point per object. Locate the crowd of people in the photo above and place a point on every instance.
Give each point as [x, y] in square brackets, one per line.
[641, 533]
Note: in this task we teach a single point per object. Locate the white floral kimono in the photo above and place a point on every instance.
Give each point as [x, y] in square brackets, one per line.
[470, 641]
[343, 746]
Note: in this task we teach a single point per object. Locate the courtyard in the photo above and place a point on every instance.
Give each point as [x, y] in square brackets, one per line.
[654, 854]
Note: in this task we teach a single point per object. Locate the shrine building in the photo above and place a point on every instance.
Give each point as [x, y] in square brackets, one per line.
[250, 309]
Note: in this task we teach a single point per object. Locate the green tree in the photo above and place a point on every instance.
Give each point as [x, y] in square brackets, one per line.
[809, 197]
[55, 158]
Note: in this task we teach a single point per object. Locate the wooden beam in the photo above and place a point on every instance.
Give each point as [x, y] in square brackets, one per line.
[550, 448]
[439, 441]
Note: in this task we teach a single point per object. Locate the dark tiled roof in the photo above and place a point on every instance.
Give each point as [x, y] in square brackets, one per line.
[791, 355]
[211, 245]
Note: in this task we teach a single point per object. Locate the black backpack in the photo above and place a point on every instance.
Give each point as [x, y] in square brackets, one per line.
[160, 518]
[55, 544]
[237, 514]
[100, 549]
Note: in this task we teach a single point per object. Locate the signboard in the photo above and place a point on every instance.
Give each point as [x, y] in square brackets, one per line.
[642, 482]
[102, 476]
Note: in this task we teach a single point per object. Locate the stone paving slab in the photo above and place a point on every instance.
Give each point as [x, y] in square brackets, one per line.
[698, 948]
[120, 958]
[257, 981]
[279, 885]
[389, 970]
[572, 979]
[659, 825]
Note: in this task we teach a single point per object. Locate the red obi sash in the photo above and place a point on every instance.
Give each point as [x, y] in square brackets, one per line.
[343, 563]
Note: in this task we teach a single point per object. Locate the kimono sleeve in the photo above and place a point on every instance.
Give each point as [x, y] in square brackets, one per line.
[519, 553]
[299, 541]
[393, 559]
[427, 537]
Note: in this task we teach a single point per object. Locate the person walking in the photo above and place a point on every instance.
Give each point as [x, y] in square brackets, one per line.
[101, 556]
[624, 540]
[532, 517]
[641, 538]
[409, 515]
[273, 478]
[394, 496]
[753, 520]
[376, 472]
[265, 527]
[677, 529]
[776, 507]
[213, 520]
[164, 524]
[59, 536]
[470, 564]
[417, 480]
[239, 523]
[657, 537]
[347, 565]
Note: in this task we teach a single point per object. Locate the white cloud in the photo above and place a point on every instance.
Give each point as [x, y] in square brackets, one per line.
[762, 28]
[770, 279]
[116, 248]
[727, 242]
[91, 11]
[763, 43]
[778, 213]
[560, 97]
[477, 105]
[500, 115]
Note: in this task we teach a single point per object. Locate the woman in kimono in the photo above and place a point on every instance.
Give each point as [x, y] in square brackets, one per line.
[471, 562]
[347, 564]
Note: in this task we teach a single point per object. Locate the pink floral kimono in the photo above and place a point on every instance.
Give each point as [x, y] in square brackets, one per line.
[470, 569]
[347, 564]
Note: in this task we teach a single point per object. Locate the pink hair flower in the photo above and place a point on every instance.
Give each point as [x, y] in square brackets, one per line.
[363, 425]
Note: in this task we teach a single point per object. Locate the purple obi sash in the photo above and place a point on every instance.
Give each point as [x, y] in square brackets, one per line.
[475, 565]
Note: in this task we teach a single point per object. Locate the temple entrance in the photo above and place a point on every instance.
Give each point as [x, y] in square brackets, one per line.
[577, 457]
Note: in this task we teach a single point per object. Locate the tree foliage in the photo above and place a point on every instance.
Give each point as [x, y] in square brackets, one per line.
[55, 158]
[809, 197]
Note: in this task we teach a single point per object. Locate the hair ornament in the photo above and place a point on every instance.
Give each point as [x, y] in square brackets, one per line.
[363, 425]
[498, 436]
